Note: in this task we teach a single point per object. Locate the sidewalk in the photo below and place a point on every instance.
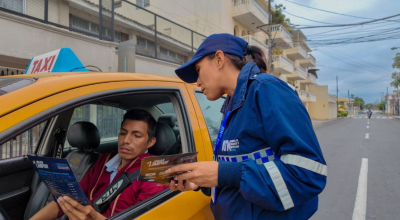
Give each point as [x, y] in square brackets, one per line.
[317, 123]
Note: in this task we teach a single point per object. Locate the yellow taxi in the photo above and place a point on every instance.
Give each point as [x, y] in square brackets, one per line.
[38, 109]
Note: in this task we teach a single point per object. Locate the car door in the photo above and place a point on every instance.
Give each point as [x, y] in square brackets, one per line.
[16, 172]
[168, 205]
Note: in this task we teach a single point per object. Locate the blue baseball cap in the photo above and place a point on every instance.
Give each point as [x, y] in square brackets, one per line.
[226, 43]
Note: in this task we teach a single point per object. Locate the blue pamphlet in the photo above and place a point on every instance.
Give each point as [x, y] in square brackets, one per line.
[57, 175]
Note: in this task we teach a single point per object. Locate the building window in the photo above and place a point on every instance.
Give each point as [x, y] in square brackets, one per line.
[145, 47]
[172, 56]
[14, 5]
[91, 27]
[142, 3]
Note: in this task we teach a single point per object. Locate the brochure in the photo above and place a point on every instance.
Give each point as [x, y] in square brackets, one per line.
[57, 175]
[153, 168]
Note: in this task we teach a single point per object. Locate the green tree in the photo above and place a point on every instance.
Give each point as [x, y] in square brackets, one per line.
[359, 102]
[279, 18]
[381, 105]
[396, 63]
[369, 106]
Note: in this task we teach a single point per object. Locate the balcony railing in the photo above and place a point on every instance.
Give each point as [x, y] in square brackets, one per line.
[311, 57]
[286, 61]
[302, 72]
[253, 41]
[281, 28]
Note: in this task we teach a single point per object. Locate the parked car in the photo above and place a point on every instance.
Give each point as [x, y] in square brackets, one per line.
[361, 112]
[34, 107]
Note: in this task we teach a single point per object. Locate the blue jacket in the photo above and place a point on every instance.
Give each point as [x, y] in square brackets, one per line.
[270, 163]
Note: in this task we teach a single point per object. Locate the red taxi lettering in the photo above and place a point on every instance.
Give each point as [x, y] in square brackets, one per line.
[46, 61]
[37, 69]
[34, 65]
[52, 61]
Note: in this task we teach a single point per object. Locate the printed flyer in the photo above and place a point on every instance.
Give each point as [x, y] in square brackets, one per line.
[153, 168]
[59, 178]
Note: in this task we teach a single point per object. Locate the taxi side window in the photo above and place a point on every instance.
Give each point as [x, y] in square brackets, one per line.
[106, 118]
[22, 144]
[212, 114]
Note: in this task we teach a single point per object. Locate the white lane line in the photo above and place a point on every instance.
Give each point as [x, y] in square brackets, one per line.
[384, 117]
[390, 117]
[378, 117]
[368, 122]
[367, 126]
[366, 136]
[360, 206]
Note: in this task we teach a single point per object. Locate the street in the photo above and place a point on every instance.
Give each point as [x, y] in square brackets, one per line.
[345, 142]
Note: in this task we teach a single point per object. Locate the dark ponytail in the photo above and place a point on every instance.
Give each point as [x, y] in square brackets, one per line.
[256, 54]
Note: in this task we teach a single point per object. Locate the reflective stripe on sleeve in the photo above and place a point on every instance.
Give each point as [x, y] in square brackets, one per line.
[280, 185]
[305, 163]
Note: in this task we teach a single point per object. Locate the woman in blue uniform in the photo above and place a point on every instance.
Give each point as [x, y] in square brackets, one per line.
[267, 160]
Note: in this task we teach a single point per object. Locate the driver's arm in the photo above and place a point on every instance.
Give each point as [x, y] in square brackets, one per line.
[49, 212]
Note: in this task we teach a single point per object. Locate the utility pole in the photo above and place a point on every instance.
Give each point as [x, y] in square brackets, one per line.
[348, 105]
[337, 98]
[397, 91]
[269, 38]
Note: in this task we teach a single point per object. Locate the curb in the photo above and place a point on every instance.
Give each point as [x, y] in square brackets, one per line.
[327, 122]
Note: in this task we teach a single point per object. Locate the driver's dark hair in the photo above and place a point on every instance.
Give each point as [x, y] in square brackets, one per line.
[256, 54]
[141, 115]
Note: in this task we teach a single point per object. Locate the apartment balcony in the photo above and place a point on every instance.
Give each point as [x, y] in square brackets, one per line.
[250, 13]
[253, 41]
[311, 98]
[298, 52]
[306, 97]
[298, 74]
[311, 79]
[283, 39]
[309, 61]
[302, 95]
[282, 65]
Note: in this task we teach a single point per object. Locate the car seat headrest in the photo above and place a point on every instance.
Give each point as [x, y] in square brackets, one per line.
[165, 139]
[169, 119]
[84, 135]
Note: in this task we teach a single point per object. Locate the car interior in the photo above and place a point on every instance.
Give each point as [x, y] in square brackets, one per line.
[85, 131]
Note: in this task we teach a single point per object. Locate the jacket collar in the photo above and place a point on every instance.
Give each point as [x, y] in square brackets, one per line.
[249, 71]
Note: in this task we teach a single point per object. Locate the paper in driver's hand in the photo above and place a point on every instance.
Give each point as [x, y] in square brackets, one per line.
[153, 168]
[57, 175]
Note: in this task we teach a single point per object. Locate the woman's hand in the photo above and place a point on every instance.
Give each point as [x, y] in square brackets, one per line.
[76, 211]
[187, 186]
[204, 174]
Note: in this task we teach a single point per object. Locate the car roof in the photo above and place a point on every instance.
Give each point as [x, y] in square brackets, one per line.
[48, 84]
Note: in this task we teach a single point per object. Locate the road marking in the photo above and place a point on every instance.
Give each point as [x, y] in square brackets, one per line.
[384, 117]
[390, 117]
[378, 117]
[366, 136]
[368, 126]
[368, 122]
[360, 206]
[365, 117]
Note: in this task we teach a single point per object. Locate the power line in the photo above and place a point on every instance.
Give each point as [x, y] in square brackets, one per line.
[352, 24]
[332, 12]
[286, 12]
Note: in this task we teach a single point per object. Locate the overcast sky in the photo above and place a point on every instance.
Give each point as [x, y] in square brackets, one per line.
[374, 58]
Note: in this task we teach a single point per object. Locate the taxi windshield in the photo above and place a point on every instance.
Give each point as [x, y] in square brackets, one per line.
[8, 85]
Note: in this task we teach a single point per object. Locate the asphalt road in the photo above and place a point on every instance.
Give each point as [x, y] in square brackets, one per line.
[344, 143]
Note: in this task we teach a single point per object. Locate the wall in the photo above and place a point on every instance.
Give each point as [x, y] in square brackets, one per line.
[35, 38]
[320, 108]
[153, 66]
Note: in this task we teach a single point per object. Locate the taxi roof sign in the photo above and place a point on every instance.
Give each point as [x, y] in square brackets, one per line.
[61, 60]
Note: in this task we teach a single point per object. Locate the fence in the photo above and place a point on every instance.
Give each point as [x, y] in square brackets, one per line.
[153, 28]
[22, 144]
